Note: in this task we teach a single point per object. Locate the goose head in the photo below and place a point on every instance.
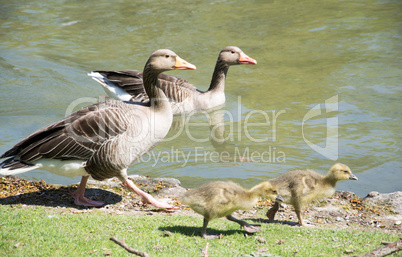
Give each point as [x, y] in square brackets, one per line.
[268, 190]
[164, 60]
[232, 55]
[340, 171]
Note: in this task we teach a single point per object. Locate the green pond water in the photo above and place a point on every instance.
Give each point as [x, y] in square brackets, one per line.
[326, 89]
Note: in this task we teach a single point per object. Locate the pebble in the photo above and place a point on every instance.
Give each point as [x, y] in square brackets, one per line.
[261, 240]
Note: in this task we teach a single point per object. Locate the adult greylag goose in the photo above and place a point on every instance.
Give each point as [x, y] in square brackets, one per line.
[104, 139]
[300, 187]
[220, 199]
[184, 96]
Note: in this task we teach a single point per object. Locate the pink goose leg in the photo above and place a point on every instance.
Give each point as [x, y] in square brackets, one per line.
[145, 197]
[80, 199]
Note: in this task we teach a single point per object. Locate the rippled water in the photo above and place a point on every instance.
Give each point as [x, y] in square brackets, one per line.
[326, 87]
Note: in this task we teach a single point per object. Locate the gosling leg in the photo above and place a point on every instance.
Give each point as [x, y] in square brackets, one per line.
[248, 227]
[204, 231]
[301, 223]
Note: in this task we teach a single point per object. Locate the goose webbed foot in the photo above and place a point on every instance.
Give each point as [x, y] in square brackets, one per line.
[271, 214]
[81, 200]
[209, 236]
[249, 228]
[272, 211]
[149, 199]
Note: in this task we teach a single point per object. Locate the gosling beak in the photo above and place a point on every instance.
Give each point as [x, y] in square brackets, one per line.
[183, 64]
[279, 198]
[245, 59]
[353, 177]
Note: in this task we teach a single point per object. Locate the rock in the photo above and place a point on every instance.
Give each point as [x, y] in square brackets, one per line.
[345, 195]
[168, 187]
[112, 183]
[392, 199]
[372, 194]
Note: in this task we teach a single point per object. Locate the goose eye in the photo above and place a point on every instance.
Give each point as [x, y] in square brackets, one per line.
[232, 51]
[167, 56]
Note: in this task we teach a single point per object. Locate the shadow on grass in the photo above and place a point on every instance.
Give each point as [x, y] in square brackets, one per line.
[195, 231]
[60, 197]
[266, 221]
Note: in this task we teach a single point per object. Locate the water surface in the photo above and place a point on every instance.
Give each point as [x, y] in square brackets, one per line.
[347, 53]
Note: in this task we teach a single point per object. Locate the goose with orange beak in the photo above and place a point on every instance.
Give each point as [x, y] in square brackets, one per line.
[104, 139]
[184, 97]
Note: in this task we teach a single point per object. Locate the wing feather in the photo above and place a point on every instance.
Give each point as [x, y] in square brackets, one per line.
[176, 89]
[78, 136]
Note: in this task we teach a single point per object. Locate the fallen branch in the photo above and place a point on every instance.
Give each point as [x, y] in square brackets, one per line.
[128, 248]
[205, 251]
[385, 250]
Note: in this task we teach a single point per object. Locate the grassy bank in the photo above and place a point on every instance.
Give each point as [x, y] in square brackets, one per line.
[44, 231]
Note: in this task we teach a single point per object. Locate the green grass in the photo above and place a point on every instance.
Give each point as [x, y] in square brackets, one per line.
[40, 231]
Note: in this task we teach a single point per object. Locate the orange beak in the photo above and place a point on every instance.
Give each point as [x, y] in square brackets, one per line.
[183, 64]
[245, 59]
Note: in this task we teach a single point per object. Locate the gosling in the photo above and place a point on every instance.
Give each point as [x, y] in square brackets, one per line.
[218, 199]
[300, 187]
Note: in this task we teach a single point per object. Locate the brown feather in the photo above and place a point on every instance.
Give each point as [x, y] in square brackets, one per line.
[131, 81]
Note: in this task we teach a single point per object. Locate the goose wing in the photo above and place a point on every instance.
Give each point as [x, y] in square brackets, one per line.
[77, 136]
[130, 81]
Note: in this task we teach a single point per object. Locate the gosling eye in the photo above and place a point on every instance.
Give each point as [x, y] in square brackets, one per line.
[345, 171]
[167, 56]
[275, 192]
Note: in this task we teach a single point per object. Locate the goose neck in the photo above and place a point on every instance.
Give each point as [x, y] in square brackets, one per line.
[157, 97]
[218, 77]
[330, 180]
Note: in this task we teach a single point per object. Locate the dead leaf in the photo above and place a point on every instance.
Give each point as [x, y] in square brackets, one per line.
[157, 247]
[260, 239]
[107, 252]
[167, 233]
[280, 241]
[349, 250]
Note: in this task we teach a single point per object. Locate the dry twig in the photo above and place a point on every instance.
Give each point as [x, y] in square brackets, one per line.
[385, 250]
[123, 244]
[204, 252]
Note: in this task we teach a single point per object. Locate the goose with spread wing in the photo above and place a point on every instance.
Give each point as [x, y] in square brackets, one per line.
[104, 139]
[184, 96]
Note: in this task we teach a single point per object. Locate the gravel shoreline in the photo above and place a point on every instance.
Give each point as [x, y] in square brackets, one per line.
[342, 211]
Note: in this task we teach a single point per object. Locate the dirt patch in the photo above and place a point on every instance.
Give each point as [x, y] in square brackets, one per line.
[343, 210]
